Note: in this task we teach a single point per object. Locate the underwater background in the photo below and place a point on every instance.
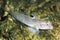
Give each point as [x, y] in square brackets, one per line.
[43, 9]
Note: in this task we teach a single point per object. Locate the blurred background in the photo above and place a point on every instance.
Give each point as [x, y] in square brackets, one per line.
[42, 9]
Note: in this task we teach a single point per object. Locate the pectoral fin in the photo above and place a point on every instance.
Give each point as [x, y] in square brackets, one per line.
[33, 30]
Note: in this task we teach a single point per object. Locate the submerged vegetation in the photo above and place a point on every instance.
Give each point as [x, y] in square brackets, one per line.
[43, 10]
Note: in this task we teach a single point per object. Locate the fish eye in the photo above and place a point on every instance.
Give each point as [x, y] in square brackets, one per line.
[31, 16]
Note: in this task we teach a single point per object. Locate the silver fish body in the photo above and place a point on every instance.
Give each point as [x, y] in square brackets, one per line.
[32, 23]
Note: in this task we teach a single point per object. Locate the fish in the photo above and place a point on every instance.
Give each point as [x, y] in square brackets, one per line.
[34, 25]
